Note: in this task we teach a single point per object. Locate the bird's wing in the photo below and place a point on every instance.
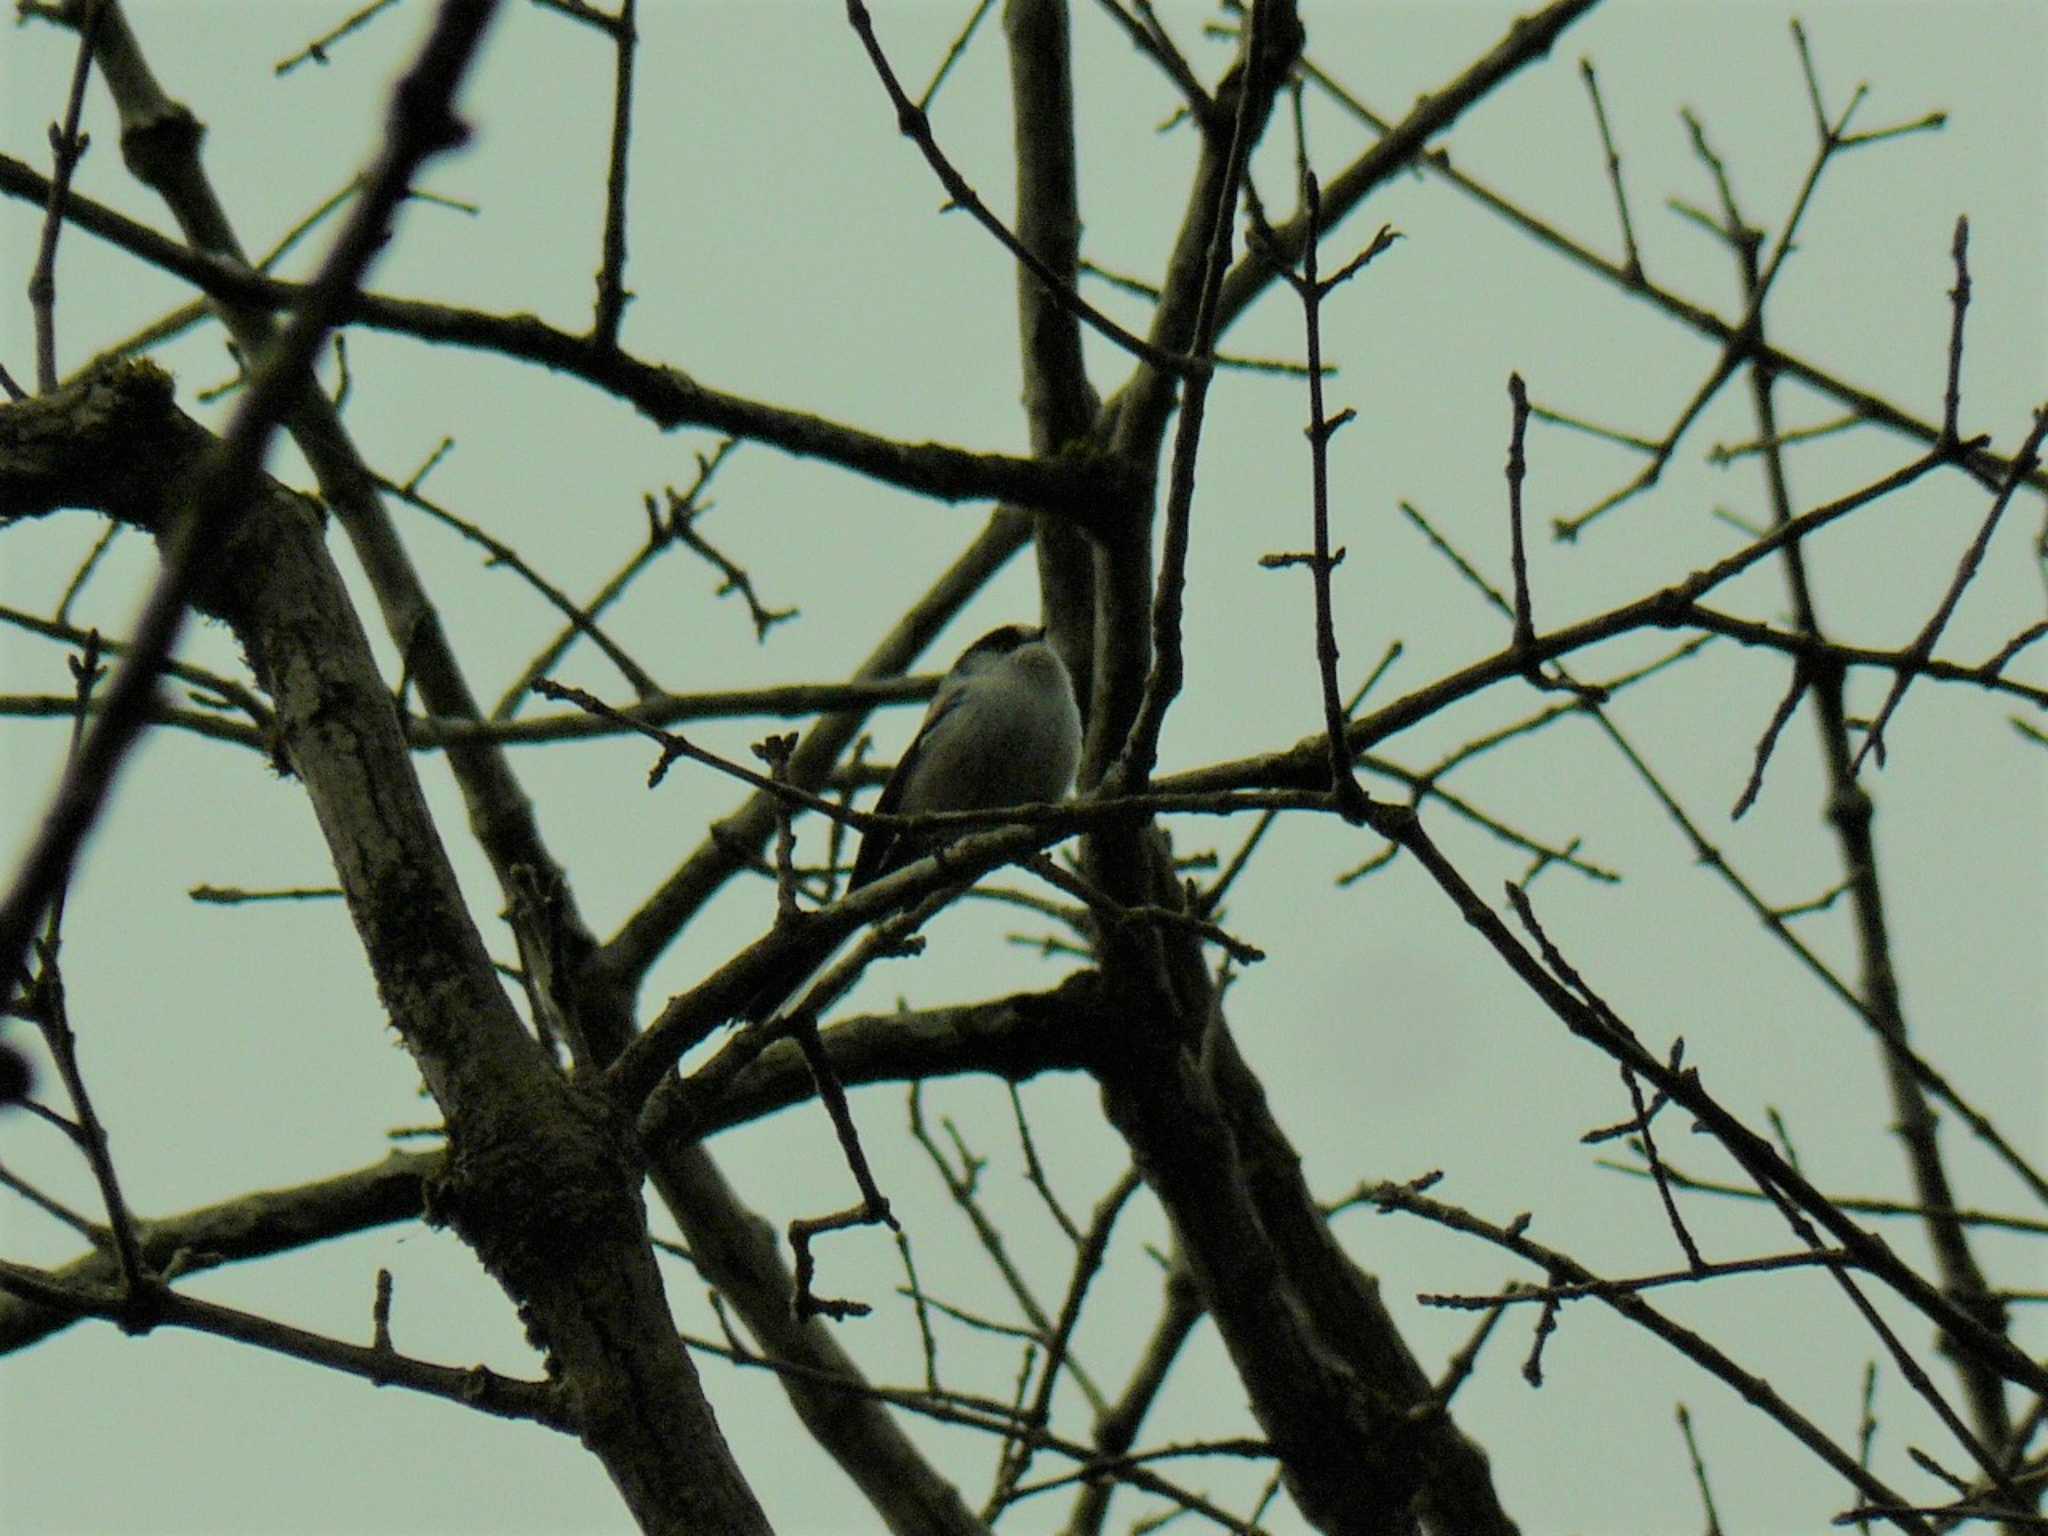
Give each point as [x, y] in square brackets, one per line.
[882, 851]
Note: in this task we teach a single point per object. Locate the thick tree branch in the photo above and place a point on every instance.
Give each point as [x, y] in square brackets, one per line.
[421, 124]
[251, 1226]
[1060, 404]
[1071, 488]
[539, 1185]
[160, 142]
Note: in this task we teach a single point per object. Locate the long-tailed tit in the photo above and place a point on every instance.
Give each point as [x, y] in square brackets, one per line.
[1002, 730]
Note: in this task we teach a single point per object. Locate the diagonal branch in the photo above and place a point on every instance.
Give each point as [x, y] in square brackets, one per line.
[667, 396]
[421, 125]
[916, 126]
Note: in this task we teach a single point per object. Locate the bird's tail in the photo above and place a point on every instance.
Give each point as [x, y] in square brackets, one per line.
[790, 976]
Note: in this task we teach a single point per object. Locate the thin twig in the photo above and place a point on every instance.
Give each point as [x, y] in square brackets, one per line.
[316, 50]
[1322, 562]
[1959, 300]
[954, 51]
[1140, 750]
[615, 587]
[915, 126]
[475, 1386]
[681, 526]
[874, 1207]
[1699, 1472]
[67, 146]
[578, 620]
[1973, 557]
[1632, 263]
[612, 295]
[1567, 1271]
[1089, 1257]
[1150, 38]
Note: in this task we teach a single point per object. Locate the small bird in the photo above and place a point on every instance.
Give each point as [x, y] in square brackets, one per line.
[1002, 730]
